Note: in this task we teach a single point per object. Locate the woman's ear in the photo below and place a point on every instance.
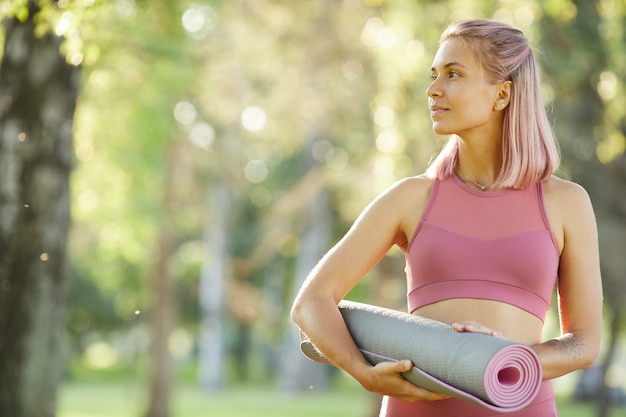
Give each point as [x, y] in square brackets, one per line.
[504, 95]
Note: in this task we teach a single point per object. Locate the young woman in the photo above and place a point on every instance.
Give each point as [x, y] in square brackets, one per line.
[487, 231]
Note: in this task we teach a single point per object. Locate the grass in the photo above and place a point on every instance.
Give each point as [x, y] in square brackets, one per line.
[117, 393]
[127, 399]
[105, 399]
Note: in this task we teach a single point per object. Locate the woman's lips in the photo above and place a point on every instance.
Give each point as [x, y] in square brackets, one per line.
[436, 111]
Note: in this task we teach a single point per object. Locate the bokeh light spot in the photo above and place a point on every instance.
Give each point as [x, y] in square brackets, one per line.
[198, 21]
[256, 171]
[503, 15]
[384, 116]
[202, 135]
[525, 16]
[337, 158]
[253, 118]
[386, 142]
[607, 86]
[88, 200]
[320, 150]
[100, 355]
[185, 113]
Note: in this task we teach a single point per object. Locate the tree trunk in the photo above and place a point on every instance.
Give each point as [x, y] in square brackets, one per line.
[161, 323]
[604, 399]
[38, 92]
[299, 373]
[211, 297]
[162, 311]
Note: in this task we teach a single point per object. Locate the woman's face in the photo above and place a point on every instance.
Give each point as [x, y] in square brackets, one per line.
[461, 99]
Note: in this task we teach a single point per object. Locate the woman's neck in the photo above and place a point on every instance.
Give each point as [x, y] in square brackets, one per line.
[479, 161]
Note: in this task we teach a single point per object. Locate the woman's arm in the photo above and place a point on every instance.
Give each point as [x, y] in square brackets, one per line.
[579, 287]
[378, 228]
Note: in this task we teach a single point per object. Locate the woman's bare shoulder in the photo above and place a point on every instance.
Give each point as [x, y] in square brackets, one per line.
[563, 191]
[569, 200]
[407, 199]
[418, 183]
[412, 190]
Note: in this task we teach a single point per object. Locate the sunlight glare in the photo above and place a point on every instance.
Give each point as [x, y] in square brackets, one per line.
[611, 148]
[386, 142]
[525, 16]
[384, 116]
[256, 171]
[386, 38]
[193, 20]
[185, 113]
[337, 158]
[198, 20]
[253, 119]
[100, 355]
[503, 15]
[383, 167]
[202, 135]
[371, 29]
[126, 8]
[63, 24]
[607, 86]
[88, 200]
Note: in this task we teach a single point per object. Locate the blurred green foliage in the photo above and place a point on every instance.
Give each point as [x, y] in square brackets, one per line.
[277, 99]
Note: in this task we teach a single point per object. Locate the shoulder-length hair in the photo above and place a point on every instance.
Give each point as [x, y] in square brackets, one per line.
[529, 150]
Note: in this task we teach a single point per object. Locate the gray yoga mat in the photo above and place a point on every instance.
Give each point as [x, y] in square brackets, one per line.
[498, 374]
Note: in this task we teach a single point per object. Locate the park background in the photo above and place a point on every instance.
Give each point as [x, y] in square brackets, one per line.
[171, 170]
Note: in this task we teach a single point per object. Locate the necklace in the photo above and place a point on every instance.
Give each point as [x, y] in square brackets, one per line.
[482, 187]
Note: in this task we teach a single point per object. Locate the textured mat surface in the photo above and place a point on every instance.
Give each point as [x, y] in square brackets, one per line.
[493, 372]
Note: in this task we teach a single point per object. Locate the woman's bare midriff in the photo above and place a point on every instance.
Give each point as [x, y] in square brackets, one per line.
[514, 323]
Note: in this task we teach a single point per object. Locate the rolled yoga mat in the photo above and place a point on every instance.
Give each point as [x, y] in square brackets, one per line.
[498, 374]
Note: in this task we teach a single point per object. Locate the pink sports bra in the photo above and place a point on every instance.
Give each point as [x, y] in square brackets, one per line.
[488, 245]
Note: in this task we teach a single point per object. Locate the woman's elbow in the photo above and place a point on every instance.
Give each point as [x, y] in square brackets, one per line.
[590, 343]
[300, 307]
[307, 306]
[591, 355]
[296, 311]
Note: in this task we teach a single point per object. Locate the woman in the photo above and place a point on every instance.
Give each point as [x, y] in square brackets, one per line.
[486, 231]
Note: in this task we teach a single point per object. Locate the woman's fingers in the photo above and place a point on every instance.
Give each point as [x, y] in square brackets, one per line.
[403, 389]
[474, 327]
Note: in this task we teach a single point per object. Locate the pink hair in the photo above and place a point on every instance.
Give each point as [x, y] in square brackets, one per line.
[529, 150]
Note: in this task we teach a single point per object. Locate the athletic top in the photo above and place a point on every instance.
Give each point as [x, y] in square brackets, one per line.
[488, 245]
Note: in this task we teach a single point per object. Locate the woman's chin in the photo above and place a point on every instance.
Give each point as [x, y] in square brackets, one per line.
[441, 130]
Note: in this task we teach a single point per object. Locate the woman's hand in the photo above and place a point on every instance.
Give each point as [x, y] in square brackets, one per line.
[474, 327]
[385, 378]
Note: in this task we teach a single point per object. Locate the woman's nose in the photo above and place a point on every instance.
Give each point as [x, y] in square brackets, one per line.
[433, 89]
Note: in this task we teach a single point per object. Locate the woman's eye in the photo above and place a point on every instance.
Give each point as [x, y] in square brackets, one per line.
[433, 77]
[454, 74]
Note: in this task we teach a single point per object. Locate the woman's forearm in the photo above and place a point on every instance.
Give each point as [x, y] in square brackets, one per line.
[318, 318]
[565, 354]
